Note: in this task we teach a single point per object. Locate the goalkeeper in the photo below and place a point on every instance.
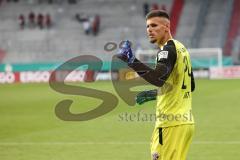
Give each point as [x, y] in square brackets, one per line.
[173, 75]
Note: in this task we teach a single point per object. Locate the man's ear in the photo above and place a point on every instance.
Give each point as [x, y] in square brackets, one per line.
[167, 27]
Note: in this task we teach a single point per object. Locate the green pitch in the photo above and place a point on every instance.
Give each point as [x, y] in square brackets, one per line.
[29, 129]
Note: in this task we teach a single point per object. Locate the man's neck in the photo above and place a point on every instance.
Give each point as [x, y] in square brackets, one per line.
[164, 41]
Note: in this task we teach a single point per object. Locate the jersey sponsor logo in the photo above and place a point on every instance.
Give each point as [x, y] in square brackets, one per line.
[162, 54]
[186, 95]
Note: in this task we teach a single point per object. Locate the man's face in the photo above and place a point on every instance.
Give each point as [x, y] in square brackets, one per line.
[157, 27]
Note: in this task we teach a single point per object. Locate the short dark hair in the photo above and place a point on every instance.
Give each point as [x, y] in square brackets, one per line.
[157, 13]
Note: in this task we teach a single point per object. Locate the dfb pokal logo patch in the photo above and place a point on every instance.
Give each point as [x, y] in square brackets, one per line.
[162, 54]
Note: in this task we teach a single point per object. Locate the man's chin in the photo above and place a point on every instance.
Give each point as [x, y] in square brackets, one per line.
[153, 40]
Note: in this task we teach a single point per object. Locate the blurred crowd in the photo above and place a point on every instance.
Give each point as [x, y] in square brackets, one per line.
[42, 1]
[33, 20]
[90, 24]
[57, 1]
[152, 6]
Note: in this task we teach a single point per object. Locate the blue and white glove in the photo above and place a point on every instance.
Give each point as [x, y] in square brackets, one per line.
[125, 52]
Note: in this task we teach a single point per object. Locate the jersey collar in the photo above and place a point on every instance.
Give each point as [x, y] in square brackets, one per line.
[161, 47]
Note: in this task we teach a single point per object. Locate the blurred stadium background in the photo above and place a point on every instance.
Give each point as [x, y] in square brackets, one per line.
[36, 36]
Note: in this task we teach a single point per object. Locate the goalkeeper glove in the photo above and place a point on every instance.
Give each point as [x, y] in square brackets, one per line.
[146, 96]
[125, 52]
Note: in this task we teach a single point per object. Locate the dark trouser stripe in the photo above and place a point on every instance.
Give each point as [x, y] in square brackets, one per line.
[160, 136]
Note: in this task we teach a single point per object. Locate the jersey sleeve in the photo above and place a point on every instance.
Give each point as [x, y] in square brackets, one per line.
[166, 59]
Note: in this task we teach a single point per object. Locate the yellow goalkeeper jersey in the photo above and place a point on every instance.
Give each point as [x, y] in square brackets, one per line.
[174, 100]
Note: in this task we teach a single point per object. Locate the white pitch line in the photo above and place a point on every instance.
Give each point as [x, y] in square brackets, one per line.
[216, 142]
[110, 143]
